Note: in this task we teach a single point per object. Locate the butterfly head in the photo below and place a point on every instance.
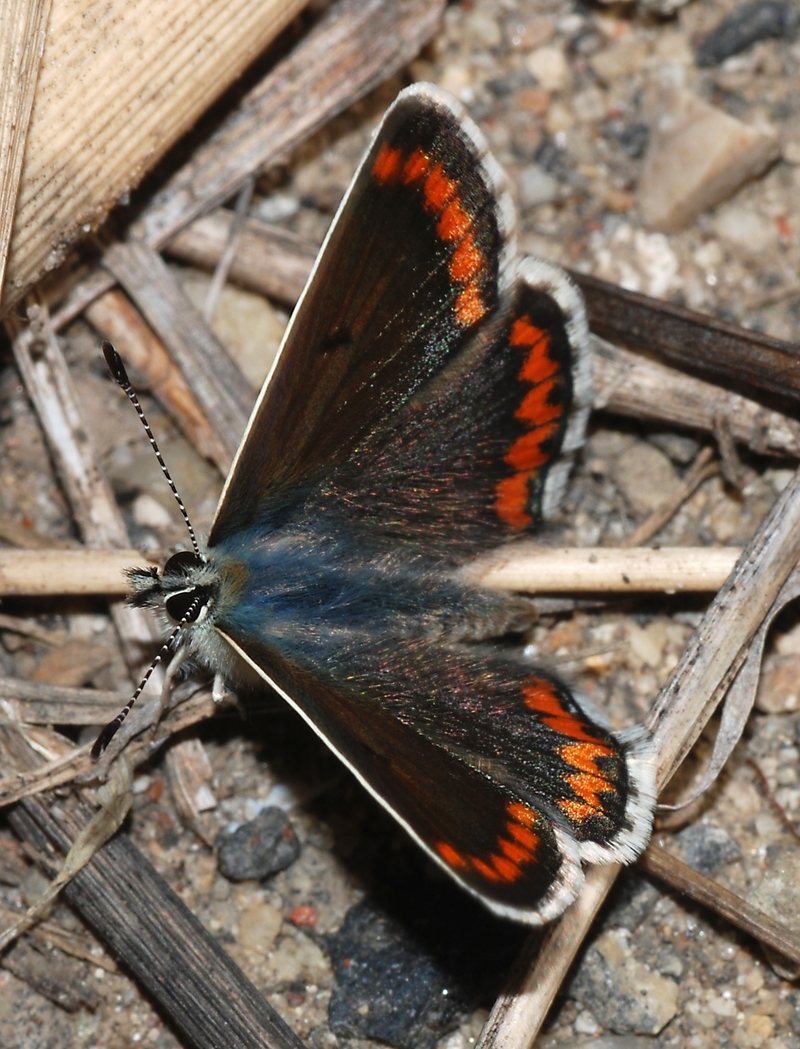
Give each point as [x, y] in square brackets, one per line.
[185, 590]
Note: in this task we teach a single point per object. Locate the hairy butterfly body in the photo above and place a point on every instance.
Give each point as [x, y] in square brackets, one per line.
[428, 397]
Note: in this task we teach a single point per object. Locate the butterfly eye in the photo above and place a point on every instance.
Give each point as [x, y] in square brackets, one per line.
[187, 605]
[182, 563]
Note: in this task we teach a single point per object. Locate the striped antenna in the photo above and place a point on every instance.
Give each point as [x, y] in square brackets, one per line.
[112, 727]
[120, 376]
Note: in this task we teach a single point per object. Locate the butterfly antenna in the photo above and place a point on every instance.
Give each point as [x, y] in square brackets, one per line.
[120, 376]
[112, 727]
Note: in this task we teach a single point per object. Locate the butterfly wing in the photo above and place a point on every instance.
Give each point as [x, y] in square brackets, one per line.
[491, 765]
[481, 453]
[419, 256]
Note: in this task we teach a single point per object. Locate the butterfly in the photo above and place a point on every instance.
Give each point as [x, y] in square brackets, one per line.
[428, 398]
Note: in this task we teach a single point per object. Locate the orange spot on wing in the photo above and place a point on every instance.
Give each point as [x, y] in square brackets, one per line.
[511, 500]
[516, 853]
[454, 223]
[535, 408]
[387, 163]
[416, 167]
[485, 870]
[540, 697]
[450, 855]
[588, 782]
[538, 365]
[527, 839]
[521, 814]
[507, 870]
[467, 260]
[526, 453]
[523, 333]
[507, 862]
[584, 757]
[438, 189]
[469, 307]
[577, 811]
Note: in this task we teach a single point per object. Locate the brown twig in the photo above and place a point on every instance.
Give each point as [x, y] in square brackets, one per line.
[34, 703]
[268, 260]
[77, 763]
[222, 269]
[626, 384]
[117, 320]
[709, 893]
[145, 924]
[224, 395]
[16, 625]
[725, 354]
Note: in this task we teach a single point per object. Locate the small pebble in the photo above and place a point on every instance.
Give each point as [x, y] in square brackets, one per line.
[778, 895]
[680, 448]
[388, 987]
[276, 207]
[621, 59]
[744, 26]
[620, 992]
[549, 66]
[525, 31]
[646, 477]
[698, 156]
[536, 186]
[745, 227]
[259, 925]
[305, 914]
[259, 848]
[707, 847]
[647, 643]
[779, 685]
[617, 1041]
[149, 513]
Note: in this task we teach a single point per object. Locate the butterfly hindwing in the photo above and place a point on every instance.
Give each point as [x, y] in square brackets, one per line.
[419, 256]
[480, 454]
[491, 764]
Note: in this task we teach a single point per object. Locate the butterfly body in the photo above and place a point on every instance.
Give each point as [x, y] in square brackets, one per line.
[425, 406]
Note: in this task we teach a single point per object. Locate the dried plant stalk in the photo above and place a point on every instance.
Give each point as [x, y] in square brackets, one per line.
[627, 384]
[709, 893]
[116, 319]
[119, 83]
[36, 573]
[47, 380]
[268, 260]
[596, 569]
[22, 24]
[355, 47]
[525, 566]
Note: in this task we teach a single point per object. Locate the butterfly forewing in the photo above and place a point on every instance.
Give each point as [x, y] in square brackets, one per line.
[417, 259]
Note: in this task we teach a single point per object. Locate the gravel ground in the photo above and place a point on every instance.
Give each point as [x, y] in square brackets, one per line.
[575, 100]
